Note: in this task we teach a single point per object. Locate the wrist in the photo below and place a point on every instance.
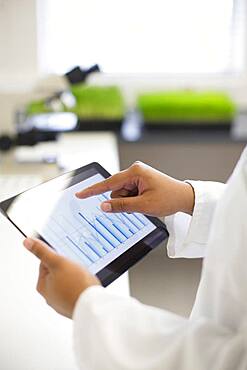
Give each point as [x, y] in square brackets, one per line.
[188, 198]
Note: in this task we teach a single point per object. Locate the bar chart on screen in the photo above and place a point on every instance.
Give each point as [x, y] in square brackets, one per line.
[81, 231]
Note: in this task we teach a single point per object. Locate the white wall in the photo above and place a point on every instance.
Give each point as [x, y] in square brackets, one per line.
[18, 40]
[18, 57]
[20, 70]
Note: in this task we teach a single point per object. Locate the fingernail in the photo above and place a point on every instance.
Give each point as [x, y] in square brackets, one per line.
[28, 243]
[106, 207]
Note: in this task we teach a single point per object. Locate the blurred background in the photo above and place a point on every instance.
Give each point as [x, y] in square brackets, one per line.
[164, 82]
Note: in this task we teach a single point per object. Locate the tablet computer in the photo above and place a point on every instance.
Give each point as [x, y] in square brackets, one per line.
[107, 244]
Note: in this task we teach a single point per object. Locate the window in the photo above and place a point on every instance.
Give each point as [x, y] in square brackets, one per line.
[140, 36]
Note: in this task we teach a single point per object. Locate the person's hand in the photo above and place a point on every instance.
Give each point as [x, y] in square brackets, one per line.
[143, 189]
[60, 281]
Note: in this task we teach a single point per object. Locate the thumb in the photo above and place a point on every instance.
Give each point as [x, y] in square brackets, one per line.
[127, 204]
[42, 251]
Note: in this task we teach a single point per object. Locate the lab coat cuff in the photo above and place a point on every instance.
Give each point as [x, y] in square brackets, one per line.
[177, 226]
[85, 298]
[188, 235]
[207, 194]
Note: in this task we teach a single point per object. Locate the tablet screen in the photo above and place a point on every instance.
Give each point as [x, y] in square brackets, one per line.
[80, 230]
[75, 228]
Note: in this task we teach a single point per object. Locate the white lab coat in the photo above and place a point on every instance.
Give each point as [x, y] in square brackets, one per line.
[113, 332]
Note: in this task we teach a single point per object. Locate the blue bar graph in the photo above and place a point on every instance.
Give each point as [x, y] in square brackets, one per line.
[89, 252]
[123, 229]
[141, 218]
[84, 257]
[138, 224]
[96, 246]
[106, 233]
[126, 221]
[119, 224]
[100, 232]
[111, 228]
[81, 231]
[107, 245]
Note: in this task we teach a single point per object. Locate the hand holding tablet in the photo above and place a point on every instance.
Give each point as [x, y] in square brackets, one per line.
[60, 281]
[107, 244]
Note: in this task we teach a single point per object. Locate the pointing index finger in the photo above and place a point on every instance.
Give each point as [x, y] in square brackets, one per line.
[113, 183]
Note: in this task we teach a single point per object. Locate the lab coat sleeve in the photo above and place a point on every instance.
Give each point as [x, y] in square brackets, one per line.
[188, 235]
[119, 333]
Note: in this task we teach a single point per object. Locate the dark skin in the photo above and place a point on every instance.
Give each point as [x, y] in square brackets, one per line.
[140, 188]
[143, 189]
[60, 281]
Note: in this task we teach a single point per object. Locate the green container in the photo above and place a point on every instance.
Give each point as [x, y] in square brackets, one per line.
[36, 107]
[186, 107]
[92, 102]
[96, 102]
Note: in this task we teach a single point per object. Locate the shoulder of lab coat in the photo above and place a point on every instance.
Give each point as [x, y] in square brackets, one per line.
[188, 235]
[114, 332]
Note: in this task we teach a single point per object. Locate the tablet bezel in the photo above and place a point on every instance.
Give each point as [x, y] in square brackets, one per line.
[126, 260]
